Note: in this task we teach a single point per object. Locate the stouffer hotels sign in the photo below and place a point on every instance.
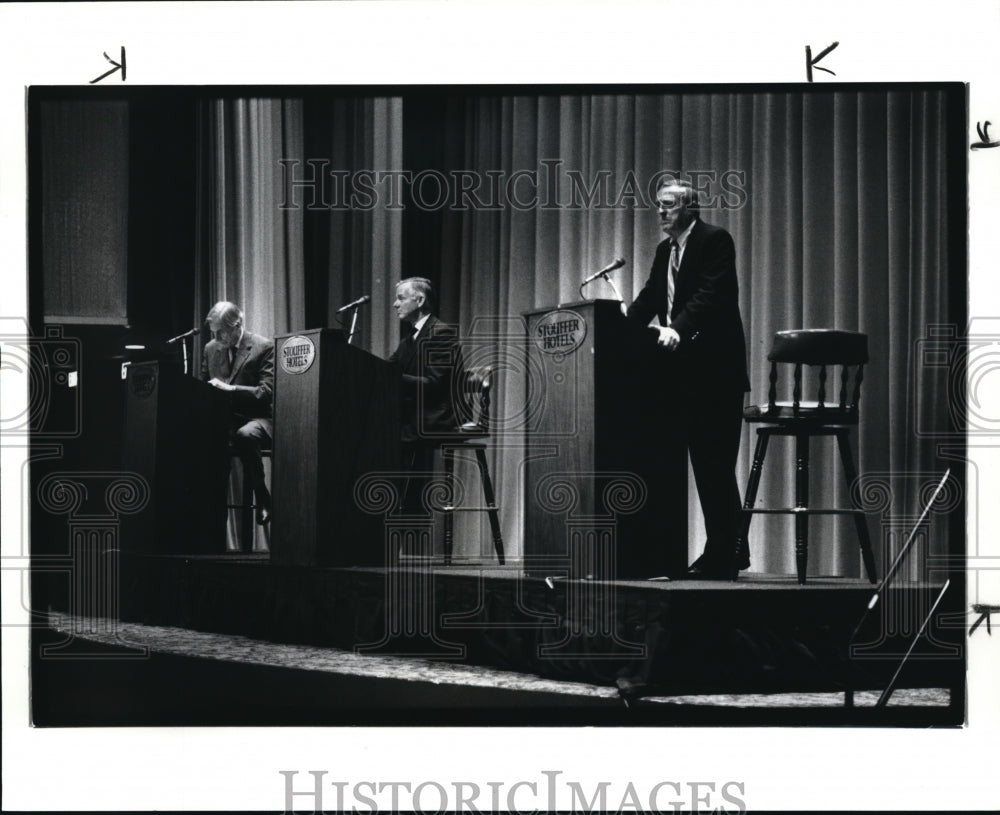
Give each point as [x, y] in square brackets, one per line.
[560, 332]
[297, 354]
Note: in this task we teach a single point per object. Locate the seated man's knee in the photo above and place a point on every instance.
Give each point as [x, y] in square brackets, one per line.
[247, 438]
[246, 433]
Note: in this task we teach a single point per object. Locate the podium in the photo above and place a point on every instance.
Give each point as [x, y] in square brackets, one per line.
[606, 469]
[336, 419]
[175, 439]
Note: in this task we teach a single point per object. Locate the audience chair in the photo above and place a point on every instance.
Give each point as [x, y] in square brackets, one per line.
[802, 420]
[475, 385]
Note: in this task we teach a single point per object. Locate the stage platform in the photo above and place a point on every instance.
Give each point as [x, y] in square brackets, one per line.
[761, 634]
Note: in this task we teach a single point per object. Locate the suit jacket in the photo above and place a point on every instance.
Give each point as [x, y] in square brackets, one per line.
[430, 367]
[706, 310]
[252, 373]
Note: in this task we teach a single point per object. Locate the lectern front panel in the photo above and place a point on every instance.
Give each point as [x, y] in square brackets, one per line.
[606, 474]
[336, 420]
[176, 438]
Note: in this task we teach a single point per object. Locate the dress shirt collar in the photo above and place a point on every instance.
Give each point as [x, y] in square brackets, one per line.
[682, 239]
[419, 324]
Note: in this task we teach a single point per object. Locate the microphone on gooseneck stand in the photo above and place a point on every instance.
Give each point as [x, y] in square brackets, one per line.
[186, 334]
[198, 329]
[617, 263]
[353, 308]
[355, 303]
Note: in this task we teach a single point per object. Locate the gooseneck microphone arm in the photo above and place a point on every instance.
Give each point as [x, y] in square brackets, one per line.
[196, 330]
[617, 263]
[355, 303]
[353, 308]
[184, 347]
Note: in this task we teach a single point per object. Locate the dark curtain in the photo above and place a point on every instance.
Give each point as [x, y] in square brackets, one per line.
[84, 160]
[842, 205]
[250, 250]
[356, 246]
[289, 260]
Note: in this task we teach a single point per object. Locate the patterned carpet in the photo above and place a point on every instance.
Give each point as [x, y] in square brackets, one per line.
[137, 640]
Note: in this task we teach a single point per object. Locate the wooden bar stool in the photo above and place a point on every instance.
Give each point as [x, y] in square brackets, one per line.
[473, 435]
[803, 420]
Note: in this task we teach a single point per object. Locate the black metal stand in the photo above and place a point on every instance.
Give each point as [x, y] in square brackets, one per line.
[883, 700]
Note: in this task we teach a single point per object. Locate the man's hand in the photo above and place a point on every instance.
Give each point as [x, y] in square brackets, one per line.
[215, 382]
[668, 338]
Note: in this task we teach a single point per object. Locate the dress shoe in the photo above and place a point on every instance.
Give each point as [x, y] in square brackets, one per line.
[709, 572]
[705, 569]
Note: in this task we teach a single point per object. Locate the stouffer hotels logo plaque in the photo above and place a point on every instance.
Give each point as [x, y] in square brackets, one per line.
[297, 354]
[560, 332]
[142, 381]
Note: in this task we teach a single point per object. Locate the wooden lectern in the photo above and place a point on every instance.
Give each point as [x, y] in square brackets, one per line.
[336, 419]
[606, 471]
[175, 438]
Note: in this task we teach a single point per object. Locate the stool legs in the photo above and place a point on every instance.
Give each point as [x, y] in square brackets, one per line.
[801, 504]
[449, 509]
[491, 504]
[246, 512]
[801, 512]
[859, 519]
[753, 485]
[448, 453]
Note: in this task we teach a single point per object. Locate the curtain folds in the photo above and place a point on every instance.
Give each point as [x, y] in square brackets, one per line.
[250, 249]
[836, 201]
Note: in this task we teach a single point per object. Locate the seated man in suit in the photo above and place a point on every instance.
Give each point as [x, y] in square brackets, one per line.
[430, 361]
[242, 363]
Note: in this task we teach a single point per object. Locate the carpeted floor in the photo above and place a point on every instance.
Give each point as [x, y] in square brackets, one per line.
[139, 641]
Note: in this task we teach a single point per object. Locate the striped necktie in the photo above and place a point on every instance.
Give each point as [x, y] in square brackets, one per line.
[675, 264]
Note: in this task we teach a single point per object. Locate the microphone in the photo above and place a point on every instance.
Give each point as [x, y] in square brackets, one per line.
[194, 331]
[359, 302]
[617, 263]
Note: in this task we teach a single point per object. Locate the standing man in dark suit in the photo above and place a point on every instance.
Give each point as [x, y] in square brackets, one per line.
[693, 290]
[242, 363]
[430, 360]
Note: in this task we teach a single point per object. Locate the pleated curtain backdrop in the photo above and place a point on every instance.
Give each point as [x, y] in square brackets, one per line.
[363, 245]
[270, 255]
[250, 248]
[836, 202]
[840, 224]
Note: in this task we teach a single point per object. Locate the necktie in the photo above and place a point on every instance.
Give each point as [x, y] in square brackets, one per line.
[409, 341]
[675, 264]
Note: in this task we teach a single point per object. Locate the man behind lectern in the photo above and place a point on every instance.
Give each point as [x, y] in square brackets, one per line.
[430, 359]
[693, 291]
[242, 363]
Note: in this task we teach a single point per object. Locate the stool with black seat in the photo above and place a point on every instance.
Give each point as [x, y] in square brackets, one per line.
[475, 388]
[802, 420]
[247, 505]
